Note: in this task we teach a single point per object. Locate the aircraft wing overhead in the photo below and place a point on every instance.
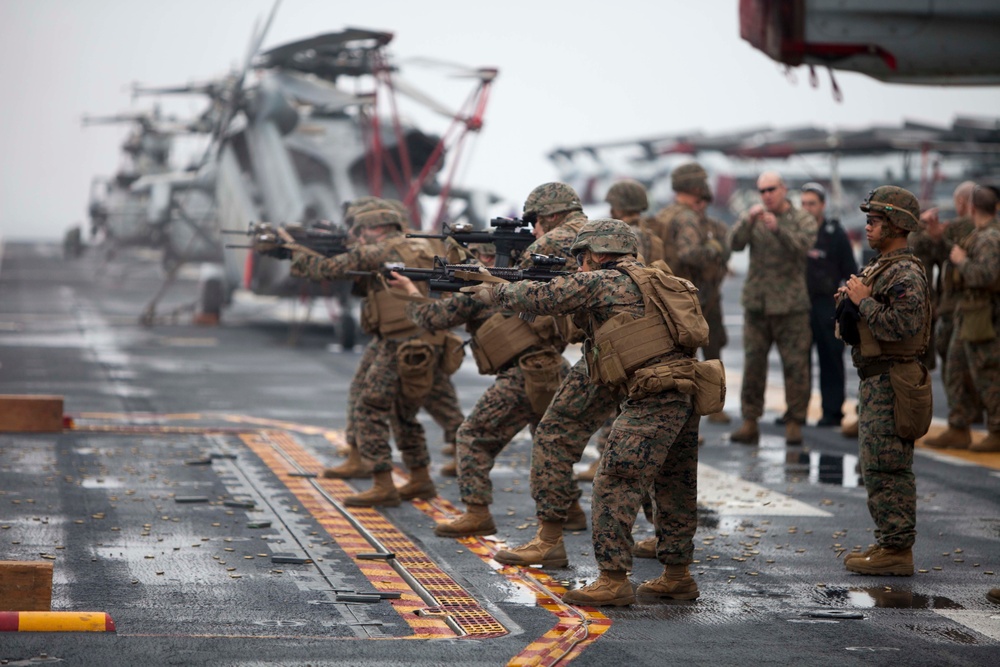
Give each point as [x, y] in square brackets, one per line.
[328, 55]
[317, 92]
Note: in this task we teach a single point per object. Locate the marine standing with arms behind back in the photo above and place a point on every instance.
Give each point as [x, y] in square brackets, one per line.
[775, 305]
[885, 315]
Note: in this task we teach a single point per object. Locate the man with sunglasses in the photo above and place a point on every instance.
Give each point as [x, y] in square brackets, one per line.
[890, 306]
[775, 305]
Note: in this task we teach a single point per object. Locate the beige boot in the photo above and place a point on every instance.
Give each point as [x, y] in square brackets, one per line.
[993, 595]
[419, 486]
[645, 548]
[884, 561]
[588, 474]
[576, 519]
[748, 433]
[382, 494]
[850, 429]
[719, 418]
[991, 443]
[476, 520]
[612, 588]
[793, 433]
[674, 584]
[450, 469]
[860, 554]
[545, 549]
[952, 438]
[353, 468]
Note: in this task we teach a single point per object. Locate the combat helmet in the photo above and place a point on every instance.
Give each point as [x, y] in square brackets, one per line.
[550, 198]
[352, 207]
[691, 178]
[606, 235]
[898, 205]
[377, 215]
[628, 196]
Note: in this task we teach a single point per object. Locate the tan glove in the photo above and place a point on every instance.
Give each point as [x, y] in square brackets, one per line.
[482, 293]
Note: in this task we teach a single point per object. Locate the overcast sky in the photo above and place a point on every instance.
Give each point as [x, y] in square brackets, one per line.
[571, 72]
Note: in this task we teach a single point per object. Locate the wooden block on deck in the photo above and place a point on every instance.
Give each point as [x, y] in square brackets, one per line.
[25, 586]
[31, 413]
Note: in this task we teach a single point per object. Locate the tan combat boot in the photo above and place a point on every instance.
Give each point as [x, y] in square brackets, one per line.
[861, 554]
[353, 468]
[993, 595]
[793, 433]
[476, 520]
[545, 549]
[952, 438]
[645, 548]
[719, 418]
[675, 583]
[576, 519]
[612, 589]
[850, 429]
[588, 474]
[419, 486]
[450, 469]
[991, 443]
[884, 561]
[382, 494]
[748, 433]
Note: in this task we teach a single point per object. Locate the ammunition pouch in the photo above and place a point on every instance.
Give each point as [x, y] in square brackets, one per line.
[977, 319]
[500, 340]
[415, 360]
[386, 314]
[704, 381]
[913, 405]
[452, 353]
[543, 373]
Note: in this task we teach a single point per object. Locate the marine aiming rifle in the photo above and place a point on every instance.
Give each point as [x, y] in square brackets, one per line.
[444, 277]
[511, 236]
[278, 241]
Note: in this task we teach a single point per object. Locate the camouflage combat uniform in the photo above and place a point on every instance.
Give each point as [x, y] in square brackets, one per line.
[899, 307]
[654, 441]
[979, 277]
[379, 393]
[776, 309]
[934, 256]
[708, 279]
[501, 411]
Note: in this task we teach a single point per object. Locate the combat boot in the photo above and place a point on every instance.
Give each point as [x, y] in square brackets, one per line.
[588, 474]
[719, 418]
[419, 486]
[993, 595]
[645, 548]
[850, 429]
[991, 443]
[748, 433]
[545, 549]
[612, 589]
[450, 469]
[675, 583]
[884, 561]
[476, 520]
[576, 519]
[382, 494]
[860, 554]
[952, 438]
[353, 468]
[793, 433]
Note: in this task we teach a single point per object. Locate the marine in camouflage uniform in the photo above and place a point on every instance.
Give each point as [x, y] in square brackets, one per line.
[654, 442]
[974, 349]
[893, 301]
[775, 305]
[378, 395]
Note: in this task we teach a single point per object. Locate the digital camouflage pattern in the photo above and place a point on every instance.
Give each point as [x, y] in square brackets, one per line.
[376, 398]
[933, 254]
[499, 414]
[708, 279]
[776, 309]
[690, 177]
[899, 307]
[897, 204]
[443, 406]
[605, 235]
[641, 448]
[980, 361]
[628, 196]
[551, 198]
[556, 242]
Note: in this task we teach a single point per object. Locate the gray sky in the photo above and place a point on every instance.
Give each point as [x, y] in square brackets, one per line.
[570, 72]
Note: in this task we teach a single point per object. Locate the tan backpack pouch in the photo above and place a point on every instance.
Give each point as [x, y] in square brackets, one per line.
[452, 354]
[543, 373]
[977, 319]
[914, 403]
[415, 360]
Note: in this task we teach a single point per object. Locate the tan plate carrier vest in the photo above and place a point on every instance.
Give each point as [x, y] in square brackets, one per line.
[913, 346]
[501, 339]
[385, 313]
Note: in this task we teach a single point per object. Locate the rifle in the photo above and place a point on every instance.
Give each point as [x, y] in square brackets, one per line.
[511, 237]
[444, 277]
[320, 239]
